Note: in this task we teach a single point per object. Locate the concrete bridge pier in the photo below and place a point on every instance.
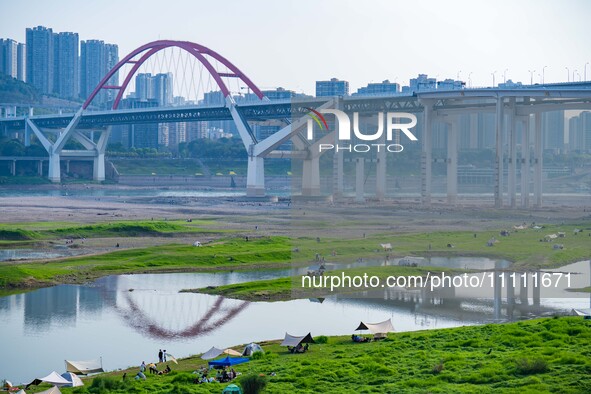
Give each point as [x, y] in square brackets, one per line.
[53, 172]
[359, 179]
[512, 159]
[525, 162]
[98, 168]
[311, 176]
[255, 178]
[426, 153]
[499, 153]
[538, 160]
[381, 169]
[452, 161]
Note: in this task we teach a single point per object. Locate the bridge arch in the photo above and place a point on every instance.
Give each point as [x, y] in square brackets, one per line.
[146, 51]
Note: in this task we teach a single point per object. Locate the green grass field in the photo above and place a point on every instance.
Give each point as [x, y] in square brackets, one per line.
[523, 248]
[537, 356]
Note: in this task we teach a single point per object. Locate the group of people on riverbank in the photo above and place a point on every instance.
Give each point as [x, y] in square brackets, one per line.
[223, 376]
[152, 368]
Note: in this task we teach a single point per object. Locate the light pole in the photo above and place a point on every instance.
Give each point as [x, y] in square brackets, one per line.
[531, 76]
[567, 74]
[493, 77]
[544, 74]
[505, 75]
[541, 78]
[579, 76]
[585, 71]
[574, 71]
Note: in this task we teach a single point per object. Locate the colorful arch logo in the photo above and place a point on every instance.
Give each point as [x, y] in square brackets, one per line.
[318, 118]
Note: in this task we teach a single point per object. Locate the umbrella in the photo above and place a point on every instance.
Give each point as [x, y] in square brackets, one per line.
[232, 352]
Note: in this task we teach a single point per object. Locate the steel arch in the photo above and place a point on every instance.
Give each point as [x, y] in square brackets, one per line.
[147, 50]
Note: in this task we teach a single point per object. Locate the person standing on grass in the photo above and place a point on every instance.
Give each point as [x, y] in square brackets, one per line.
[164, 355]
[160, 354]
[143, 367]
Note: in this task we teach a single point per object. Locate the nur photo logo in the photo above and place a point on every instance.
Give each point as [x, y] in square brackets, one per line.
[387, 123]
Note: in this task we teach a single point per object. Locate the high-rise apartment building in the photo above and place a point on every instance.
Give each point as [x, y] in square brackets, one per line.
[66, 80]
[12, 60]
[40, 62]
[96, 60]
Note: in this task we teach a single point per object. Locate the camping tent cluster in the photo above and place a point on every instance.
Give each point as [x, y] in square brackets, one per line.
[214, 352]
[69, 378]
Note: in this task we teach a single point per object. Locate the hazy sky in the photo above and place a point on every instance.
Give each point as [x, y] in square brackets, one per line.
[294, 43]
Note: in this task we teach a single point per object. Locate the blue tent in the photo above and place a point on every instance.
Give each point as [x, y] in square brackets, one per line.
[228, 361]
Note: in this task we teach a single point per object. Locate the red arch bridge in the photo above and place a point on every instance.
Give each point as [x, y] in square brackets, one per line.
[513, 108]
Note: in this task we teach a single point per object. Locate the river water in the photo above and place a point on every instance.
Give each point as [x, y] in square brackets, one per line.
[125, 319]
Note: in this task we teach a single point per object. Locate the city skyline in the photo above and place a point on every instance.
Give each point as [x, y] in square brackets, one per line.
[472, 41]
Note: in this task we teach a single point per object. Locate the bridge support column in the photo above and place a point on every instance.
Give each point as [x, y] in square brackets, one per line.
[512, 176]
[499, 154]
[255, 177]
[510, 296]
[311, 177]
[54, 173]
[40, 168]
[538, 160]
[381, 170]
[452, 162]
[426, 154]
[360, 179]
[98, 168]
[67, 166]
[523, 288]
[27, 134]
[525, 162]
[338, 173]
[13, 168]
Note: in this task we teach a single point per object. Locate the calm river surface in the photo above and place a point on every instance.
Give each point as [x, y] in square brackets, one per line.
[40, 329]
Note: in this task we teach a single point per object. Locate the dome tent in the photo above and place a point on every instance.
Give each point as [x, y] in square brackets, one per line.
[232, 389]
[251, 348]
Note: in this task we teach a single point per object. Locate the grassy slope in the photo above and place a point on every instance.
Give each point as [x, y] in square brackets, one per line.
[406, 363]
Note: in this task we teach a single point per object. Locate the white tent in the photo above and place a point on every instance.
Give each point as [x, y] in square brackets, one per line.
[85, 367]
[378, 329]
[55, 379]
[53, 390]
[74, 380]
[291, 340]
[582, 312]
[212, 353]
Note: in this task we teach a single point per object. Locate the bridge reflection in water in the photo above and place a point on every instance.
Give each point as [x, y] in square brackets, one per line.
[152, 306]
